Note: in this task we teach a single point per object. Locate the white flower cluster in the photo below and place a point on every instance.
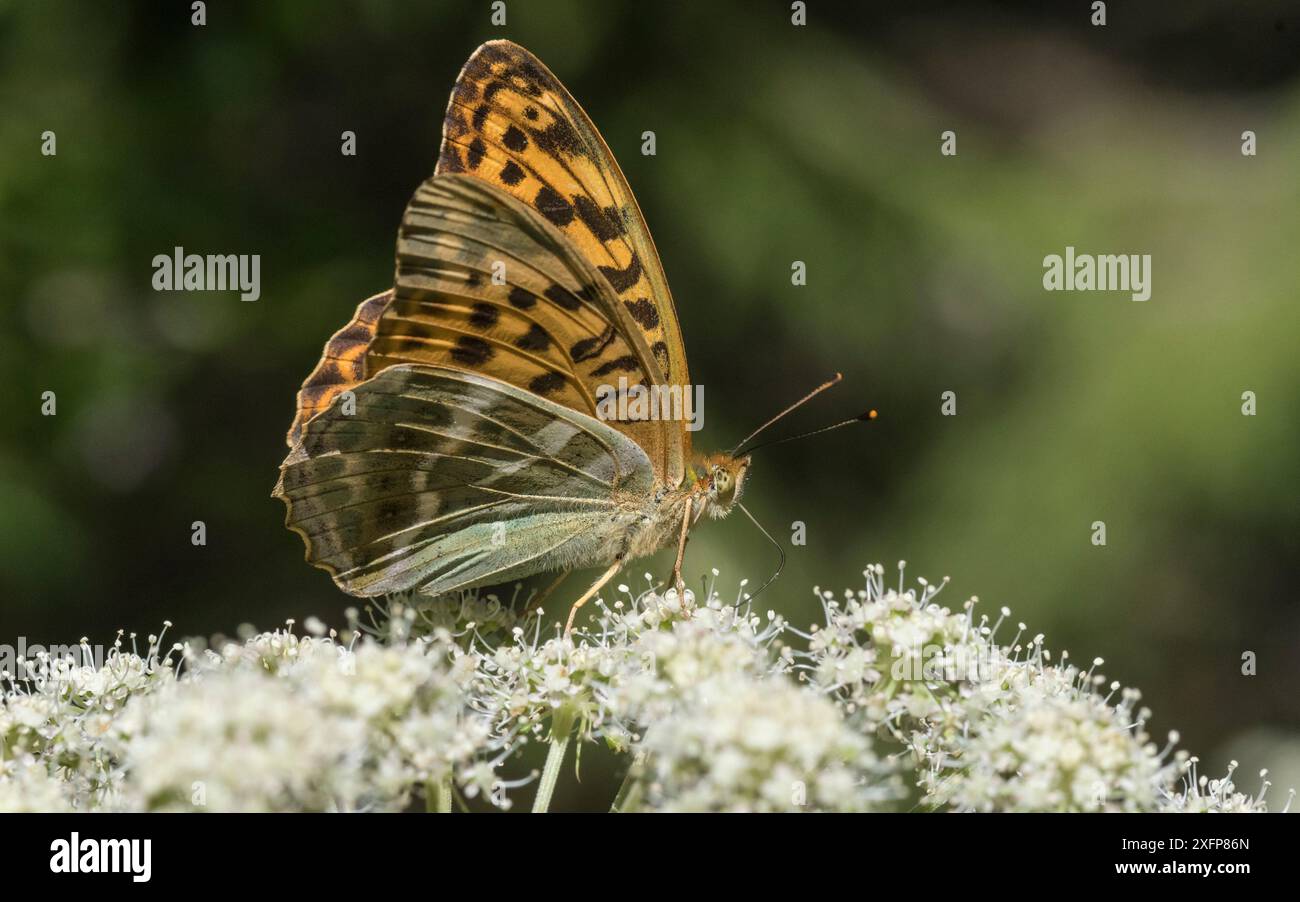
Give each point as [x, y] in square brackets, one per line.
[301, 723]
[277, 722]
[712, 707]
[630, 668]
[1200, 794]
[58, 721]
[1036, 737]
[760, 745]
[991, 726]
[882, 651]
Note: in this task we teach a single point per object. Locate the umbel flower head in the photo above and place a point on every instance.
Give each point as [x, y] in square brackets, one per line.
[760, 744]
[1200, 794]
[1037, 737]
[283, 722]
[624, 669]
[881, 651]
[59, 715]
[991, 726]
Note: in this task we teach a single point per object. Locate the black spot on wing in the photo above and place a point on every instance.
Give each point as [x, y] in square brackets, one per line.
[591, 347]
[603, 223]
[484, 316]
[521, 298]
[511, 174]
[528, 70]
[475, 154]
[625, 278]
[644, 312]
[479, 117]
[530, 113]
[584, 349]
[562, 296]
[554, 207]
[559, 139]
[515, 140]
[471, 351]
[546, 383]
[625, 364]
[535, 339]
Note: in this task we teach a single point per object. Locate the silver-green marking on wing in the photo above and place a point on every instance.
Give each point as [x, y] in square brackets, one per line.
[443, 479]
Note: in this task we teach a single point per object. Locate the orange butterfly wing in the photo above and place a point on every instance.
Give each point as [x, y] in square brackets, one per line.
[581, 300]
[513, 125]
[486, 285]
[342, 364]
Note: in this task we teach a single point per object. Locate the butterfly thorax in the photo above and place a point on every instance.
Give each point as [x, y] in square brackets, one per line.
[713, 486]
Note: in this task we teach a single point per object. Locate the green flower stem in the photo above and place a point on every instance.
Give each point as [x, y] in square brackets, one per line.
[629, 793]
[561, 732]
[437, 796]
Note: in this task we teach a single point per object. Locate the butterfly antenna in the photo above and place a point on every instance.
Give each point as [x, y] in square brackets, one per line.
[805, 399]
[865, 416]
[779, 550]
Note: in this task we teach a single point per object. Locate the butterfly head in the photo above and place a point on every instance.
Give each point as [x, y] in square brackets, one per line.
[721, 480]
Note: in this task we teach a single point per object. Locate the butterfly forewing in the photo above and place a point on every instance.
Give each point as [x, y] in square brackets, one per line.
[486, 285]
[442, 479]
[512, 124]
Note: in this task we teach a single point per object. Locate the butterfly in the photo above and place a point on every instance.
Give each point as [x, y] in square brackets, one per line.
[452, 435]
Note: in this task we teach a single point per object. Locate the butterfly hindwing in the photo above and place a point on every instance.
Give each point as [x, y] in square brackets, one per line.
[342, 364]
[442, 479]
[512, 124]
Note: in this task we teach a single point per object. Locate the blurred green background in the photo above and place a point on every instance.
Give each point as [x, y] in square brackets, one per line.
[775, 143]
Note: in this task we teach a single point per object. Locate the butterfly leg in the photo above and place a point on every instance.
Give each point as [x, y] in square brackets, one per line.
[591, 593]
[536, 601]
[678, 582]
